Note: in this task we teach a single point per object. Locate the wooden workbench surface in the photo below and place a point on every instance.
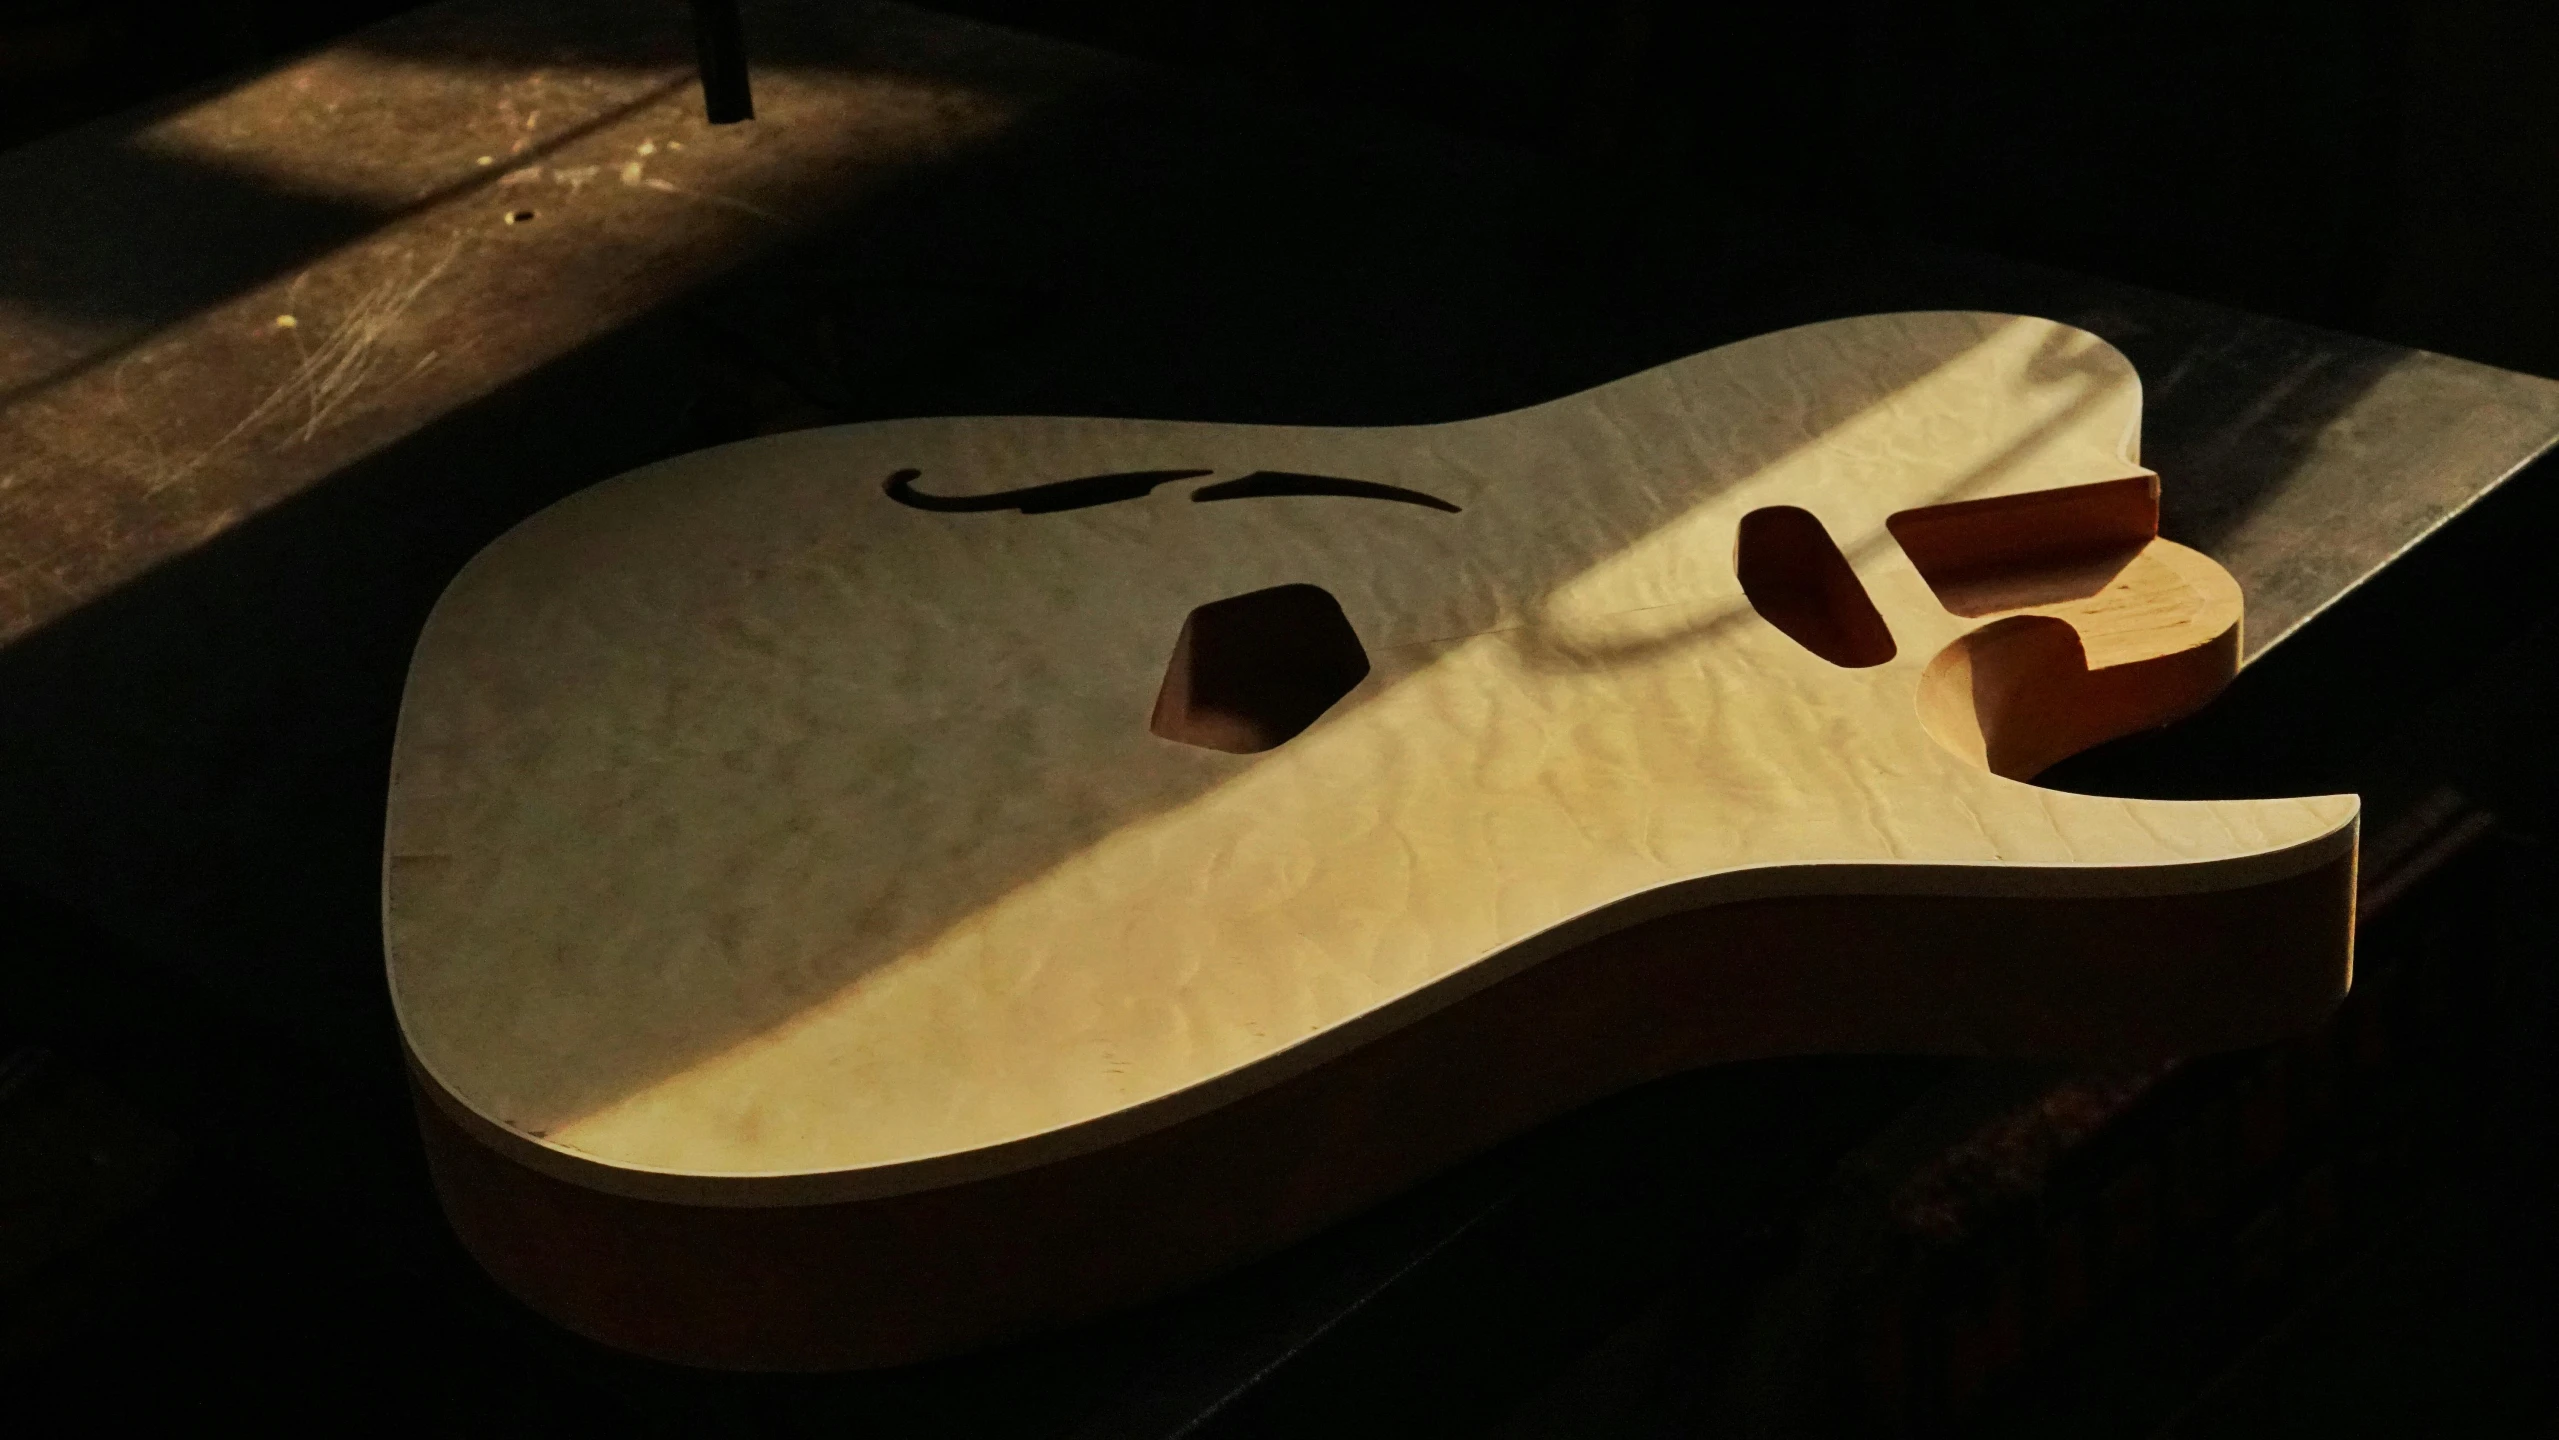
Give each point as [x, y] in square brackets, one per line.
[276, 358]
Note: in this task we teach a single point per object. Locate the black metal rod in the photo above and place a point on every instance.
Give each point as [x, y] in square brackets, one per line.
[719, 40]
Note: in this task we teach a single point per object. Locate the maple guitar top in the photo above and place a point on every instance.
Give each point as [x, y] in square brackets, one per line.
[864, 810]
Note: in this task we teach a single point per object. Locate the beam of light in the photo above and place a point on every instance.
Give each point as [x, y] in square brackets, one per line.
[478, 222]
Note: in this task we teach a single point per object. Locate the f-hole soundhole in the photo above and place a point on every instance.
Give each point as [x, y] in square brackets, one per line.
[1252, 671]
[1799, 582]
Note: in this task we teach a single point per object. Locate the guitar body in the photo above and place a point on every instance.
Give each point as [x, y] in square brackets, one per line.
[866, 893]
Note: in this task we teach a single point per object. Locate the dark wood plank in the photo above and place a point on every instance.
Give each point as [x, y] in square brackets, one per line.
[222, 534]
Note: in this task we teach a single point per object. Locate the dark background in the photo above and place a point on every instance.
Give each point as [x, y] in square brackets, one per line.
[2377, 166]
[2382, 168]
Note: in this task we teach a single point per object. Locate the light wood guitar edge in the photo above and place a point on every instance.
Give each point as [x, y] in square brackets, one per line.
[1836, 886]
[902, 1278]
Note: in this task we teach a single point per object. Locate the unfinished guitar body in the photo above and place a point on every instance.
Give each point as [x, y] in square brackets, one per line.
[860, 894]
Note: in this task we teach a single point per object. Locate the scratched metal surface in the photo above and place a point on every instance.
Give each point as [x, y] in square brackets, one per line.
[219, 531]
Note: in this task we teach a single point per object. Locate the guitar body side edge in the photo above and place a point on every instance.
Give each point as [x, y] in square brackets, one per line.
[907, 1277]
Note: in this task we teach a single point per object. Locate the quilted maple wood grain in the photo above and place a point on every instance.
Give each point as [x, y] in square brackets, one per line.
[761, 843]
